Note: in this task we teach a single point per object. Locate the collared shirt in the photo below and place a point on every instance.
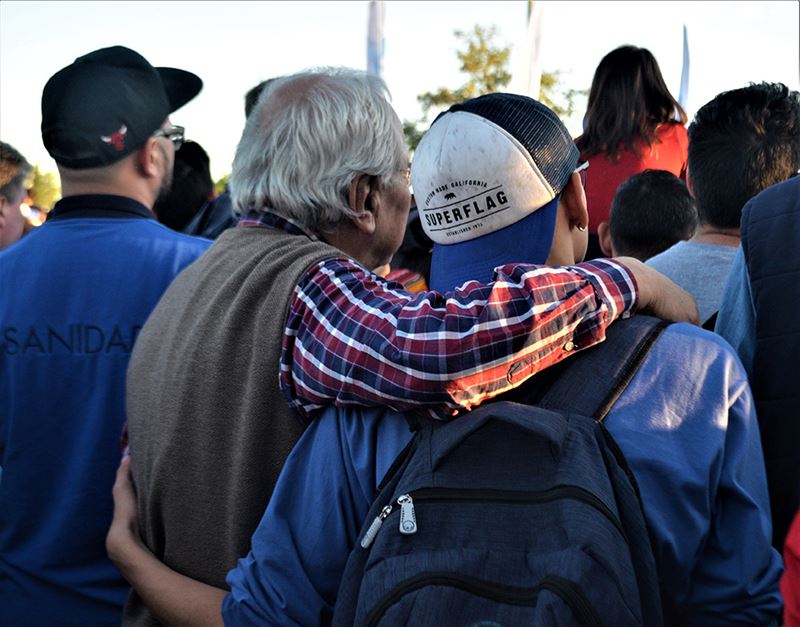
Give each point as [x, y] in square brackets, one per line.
[687, 427]
[99, 206]
[354, 339]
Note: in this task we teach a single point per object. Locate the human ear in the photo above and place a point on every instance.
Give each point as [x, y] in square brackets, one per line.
[604, 235]
[363, 202]
[573, 199]
[146, 159]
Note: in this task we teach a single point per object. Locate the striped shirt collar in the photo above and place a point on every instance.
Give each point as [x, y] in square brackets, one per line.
[273, 220]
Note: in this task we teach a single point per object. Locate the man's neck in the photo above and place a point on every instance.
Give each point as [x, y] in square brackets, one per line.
[708, 234]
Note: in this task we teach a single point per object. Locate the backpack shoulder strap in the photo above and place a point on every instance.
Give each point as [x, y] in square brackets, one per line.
[601, 372]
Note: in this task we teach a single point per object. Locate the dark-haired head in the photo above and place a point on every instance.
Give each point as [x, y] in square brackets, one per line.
[651, 211]
[740, 143]
[627, 101]
[14, 168]
[191, 187]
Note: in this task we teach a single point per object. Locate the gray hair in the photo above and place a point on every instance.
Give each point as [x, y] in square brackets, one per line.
[14, 168]
[308, 137]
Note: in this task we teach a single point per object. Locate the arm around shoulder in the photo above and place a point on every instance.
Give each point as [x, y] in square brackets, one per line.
[345, 320]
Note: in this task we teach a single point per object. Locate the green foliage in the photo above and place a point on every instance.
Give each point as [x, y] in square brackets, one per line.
[560, 100]
[221, 184]
[484, 63]
[44, 188]
[413, 133]
[486, 66]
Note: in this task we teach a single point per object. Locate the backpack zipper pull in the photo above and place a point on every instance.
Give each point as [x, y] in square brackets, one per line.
[372, 531]
[408, 519]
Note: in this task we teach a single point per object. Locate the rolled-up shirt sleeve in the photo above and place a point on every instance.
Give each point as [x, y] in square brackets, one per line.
[354, 339]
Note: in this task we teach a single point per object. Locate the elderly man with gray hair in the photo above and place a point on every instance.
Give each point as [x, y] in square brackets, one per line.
[285, 307]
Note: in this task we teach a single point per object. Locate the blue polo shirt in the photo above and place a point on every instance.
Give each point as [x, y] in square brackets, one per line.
[73, 295]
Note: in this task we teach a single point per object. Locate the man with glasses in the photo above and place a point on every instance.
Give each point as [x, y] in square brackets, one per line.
[73, 296]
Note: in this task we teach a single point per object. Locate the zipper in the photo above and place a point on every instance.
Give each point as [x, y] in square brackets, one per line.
[408, 519]
[376, 524]
[490, 495]
[507, 595]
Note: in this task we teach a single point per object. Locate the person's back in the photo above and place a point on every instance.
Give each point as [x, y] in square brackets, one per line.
[667, 153]
[698, 267]
[209, 429]
[685, 424]
[740, 143]
[81, 289]
[712, 553]
[758, 316]
[74, 294]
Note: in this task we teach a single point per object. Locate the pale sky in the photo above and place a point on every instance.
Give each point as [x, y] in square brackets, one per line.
[234, 45]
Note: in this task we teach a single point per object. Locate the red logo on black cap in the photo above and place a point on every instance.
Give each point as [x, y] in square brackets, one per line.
[117, 139]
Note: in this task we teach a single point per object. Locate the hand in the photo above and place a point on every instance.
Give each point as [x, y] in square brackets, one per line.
[660, 297]
[123, 536]
[174, 599]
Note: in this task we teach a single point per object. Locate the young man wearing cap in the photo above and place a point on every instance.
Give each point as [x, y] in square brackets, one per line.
[73, 296]
[685, 423]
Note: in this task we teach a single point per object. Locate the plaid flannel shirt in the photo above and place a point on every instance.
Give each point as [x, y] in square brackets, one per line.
[353, 338]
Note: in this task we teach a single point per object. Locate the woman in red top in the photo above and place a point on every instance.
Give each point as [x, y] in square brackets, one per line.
[630, 127]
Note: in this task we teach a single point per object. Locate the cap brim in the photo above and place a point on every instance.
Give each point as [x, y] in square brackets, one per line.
[526, 241]
[181, 86]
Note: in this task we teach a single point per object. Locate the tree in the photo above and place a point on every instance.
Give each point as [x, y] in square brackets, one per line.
[560, 100]
[221, 184]
[413, 132]
[45, 189]
[486, 67]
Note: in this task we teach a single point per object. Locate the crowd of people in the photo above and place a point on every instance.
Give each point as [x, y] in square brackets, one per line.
[211, 406]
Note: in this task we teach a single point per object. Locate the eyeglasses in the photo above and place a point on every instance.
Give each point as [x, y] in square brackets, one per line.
[581, 169]
[174, 133]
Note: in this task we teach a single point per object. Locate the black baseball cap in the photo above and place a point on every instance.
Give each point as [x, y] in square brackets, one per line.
[105, 105]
